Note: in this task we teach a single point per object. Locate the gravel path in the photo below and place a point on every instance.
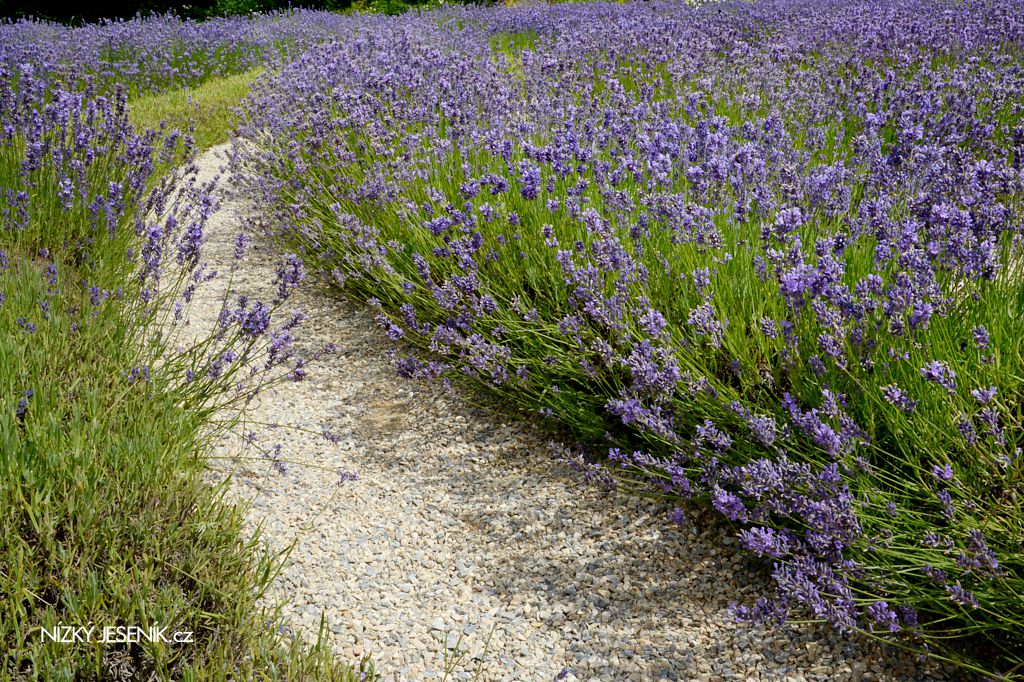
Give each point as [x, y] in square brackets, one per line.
[461, 526]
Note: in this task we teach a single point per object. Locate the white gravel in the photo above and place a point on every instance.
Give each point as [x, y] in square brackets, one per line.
[463, 532]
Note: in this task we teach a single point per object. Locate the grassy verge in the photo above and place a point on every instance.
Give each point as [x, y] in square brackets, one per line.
[205, 111]
[106, 521]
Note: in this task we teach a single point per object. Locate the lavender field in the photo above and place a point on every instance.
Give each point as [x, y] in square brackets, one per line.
[759, 257]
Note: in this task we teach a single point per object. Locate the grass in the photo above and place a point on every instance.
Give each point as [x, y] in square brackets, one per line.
[205, 111]
[106, 519]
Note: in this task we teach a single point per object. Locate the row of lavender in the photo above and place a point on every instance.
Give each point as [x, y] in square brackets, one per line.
[152, 54]
[762, 255]
[78, 177]
[102, 413]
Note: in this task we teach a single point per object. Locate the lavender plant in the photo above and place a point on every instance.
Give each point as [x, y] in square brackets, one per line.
[104, 423]
[763, 256]
[157, 53]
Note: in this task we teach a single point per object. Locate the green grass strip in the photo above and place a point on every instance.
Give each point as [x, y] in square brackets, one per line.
[205, 111]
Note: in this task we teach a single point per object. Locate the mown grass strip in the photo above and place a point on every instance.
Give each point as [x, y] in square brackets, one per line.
[204, 111]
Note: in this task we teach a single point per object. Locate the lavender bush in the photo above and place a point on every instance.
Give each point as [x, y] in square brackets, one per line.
[104, 419]
[764, 256]
[153, 54]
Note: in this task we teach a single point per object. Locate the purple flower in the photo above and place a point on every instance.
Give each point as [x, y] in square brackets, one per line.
[495, 183]
[981, 338]
[769, 327]
[298, 373]
[22, 407]
[967, 430]
[469, 189]
[277, 463]
[882, 615]
[347, 476]
[936, 575]
[391, 330]
[708, 434]
[280, 348]
[944, 473]
[762, 427]
[786, 222]
[961, 596]
[984, 558]
[255, 321]
[702, 279]
[948, 508]
[653, 322]
[765, 541]
[217, 364]
[190, 244]
[811, 424]
[143, 372]
[654, 370]
[704, 321]
[728, 504]
[909, 616]
[288, 275]
[763, 611]
[939, 372]
[984, 395]
[529, 178]
[242, 242]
